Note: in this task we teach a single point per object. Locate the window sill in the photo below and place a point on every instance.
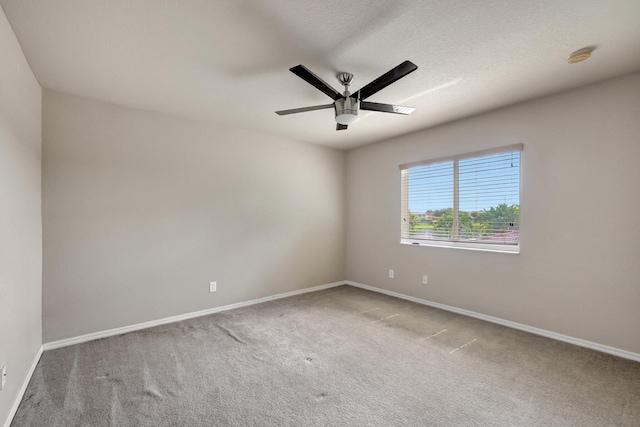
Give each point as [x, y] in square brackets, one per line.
[513, 250]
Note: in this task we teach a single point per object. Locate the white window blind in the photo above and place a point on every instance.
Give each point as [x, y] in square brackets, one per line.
[471, 200]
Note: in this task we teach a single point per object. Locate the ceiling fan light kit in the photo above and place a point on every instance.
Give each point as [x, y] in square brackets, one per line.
[346, 111]
[346, 104]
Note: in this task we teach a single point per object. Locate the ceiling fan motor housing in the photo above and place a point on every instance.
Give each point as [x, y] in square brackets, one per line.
[346, 110]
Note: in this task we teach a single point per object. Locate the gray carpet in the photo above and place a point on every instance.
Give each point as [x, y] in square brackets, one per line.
[339, 357]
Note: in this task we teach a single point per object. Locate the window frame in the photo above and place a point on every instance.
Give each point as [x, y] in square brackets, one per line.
[456, 244]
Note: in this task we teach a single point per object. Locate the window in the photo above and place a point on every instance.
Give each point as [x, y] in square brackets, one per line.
[470, 201]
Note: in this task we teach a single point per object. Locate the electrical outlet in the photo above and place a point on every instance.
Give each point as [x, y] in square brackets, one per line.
[3, 373]
[212, 286]
[391, 274]
[425, 280]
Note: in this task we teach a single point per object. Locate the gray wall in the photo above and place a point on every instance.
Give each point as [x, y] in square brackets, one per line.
[142, 210]
[20, 220]
[579, 266]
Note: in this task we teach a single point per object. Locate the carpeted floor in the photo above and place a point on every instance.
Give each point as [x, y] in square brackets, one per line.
[338, 357]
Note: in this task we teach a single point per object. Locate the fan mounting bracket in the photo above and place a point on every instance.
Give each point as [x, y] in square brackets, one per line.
[345, 79]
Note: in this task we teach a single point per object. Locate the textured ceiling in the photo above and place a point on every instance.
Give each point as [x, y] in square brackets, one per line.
[228, 61]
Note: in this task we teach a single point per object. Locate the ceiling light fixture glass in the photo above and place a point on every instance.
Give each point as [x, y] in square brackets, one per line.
[347, 118]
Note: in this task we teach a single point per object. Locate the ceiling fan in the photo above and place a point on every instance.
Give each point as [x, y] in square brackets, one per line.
[346, 104]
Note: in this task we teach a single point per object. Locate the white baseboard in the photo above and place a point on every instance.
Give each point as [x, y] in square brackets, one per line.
[122, 330]
[23, 389]
[560, 337]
